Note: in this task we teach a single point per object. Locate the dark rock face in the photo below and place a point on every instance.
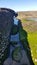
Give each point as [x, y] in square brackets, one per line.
[6, 18]
[6, 23]
[9, 10]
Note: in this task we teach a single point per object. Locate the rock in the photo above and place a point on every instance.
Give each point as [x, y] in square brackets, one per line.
[16, 54]
[16, 63]
[24, 59]
[6, 23]
[8, 61]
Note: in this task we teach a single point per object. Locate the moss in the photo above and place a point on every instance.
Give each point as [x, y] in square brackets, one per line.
[16, 54]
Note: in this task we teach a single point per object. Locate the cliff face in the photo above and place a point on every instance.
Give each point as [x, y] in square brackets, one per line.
[6, 20]
[6, 23]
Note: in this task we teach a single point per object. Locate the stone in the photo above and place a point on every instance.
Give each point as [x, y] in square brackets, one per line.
[16, 54]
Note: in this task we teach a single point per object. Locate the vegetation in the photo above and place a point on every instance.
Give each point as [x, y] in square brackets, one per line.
[28, 34]
[14, 29]
[32, 38]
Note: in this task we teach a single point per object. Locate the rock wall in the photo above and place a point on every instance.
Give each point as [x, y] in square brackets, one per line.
[6, 23]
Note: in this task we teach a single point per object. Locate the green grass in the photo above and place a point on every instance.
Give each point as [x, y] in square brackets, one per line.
[32, 39]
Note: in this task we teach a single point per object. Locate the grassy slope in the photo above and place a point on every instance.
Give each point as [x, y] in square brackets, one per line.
[31, 28]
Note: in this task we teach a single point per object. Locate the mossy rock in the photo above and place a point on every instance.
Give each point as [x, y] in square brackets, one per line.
[17, 54]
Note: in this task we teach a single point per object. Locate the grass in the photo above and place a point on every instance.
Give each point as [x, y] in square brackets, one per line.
[32, 39]
[31, 36]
